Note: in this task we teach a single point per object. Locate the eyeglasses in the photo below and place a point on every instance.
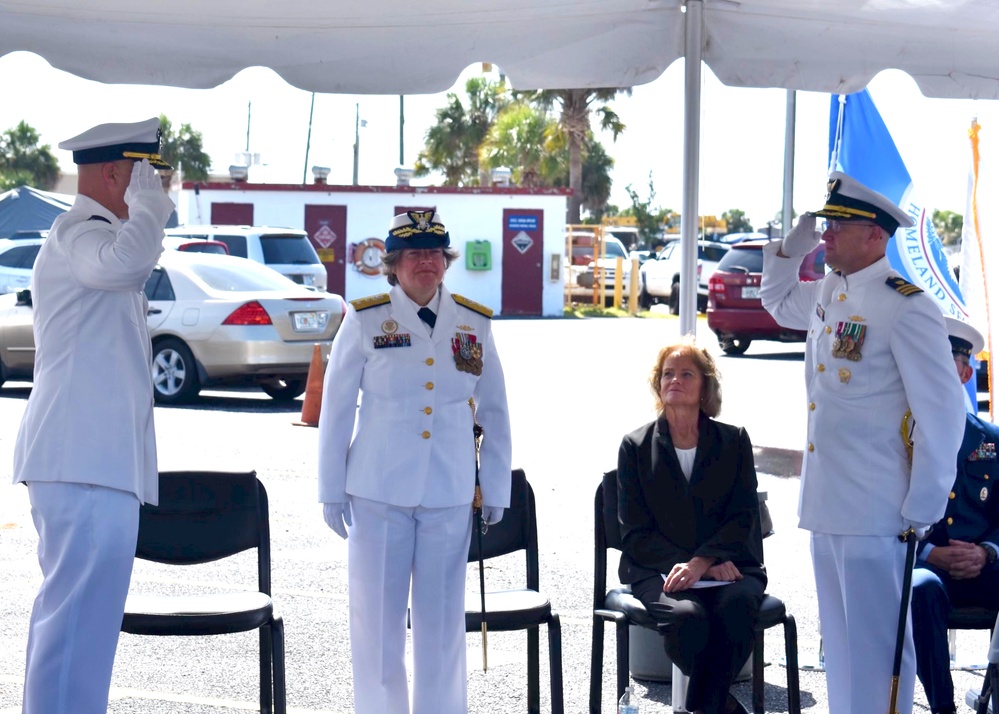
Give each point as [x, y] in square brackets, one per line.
[837, 224]
[418, 254]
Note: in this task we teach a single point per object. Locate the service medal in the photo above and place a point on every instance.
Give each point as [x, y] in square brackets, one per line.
[848, 341]
[467, 353]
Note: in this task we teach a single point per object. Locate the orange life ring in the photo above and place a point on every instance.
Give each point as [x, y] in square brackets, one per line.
[368, 256]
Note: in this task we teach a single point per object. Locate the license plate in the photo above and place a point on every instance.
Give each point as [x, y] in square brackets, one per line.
[750, 293]
[306, 321]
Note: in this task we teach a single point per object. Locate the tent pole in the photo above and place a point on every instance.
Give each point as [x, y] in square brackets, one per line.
[692, 24]
[787, 208]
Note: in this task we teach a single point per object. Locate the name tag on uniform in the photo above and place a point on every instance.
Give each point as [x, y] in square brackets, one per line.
[397, 340]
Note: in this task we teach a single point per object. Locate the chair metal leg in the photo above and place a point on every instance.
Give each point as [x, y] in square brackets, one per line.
[555, 663]
[759, 704]
[791, 658]
[597, 665]
[533, 670]
[277, 641]
[623, 658]
[266, 648]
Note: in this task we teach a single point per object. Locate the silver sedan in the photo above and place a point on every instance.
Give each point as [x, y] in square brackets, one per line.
[214, 320]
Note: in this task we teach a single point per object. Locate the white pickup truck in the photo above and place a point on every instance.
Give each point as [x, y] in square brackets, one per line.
[579, 279]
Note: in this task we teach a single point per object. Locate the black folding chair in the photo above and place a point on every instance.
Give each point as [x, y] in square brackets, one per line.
[202, 517]
[619, 606]
[524, 608]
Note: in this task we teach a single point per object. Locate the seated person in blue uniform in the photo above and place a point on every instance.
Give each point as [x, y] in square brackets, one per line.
[689, 517]
[956, 565]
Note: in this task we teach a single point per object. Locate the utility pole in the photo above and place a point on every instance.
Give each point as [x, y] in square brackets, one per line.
[357, 137]
[308, 141]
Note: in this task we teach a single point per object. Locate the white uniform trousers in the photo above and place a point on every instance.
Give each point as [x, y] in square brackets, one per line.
[86, 547]
[387, 546]
[859, 584]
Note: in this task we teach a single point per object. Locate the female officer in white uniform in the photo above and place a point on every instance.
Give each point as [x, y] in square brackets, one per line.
[403, 479]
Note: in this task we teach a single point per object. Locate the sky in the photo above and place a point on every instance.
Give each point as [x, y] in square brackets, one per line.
[742, 132]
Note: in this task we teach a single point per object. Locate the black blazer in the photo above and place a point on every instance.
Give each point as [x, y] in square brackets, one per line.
[665, 520]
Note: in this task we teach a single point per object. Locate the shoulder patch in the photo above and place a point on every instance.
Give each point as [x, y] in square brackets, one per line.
[472, 305]
[370, 301]
[902, 286]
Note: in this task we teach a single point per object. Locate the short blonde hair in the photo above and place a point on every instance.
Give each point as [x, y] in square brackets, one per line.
[711, 398]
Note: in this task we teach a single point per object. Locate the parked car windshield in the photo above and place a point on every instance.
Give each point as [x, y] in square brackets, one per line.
[288, 250]
[243, 277]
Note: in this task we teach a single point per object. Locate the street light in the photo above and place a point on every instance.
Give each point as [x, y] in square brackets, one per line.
[358, 123]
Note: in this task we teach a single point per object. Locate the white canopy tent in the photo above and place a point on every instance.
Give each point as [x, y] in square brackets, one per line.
[400, 47]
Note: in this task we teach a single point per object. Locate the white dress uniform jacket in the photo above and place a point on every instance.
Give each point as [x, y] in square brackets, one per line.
[413, 442]
[856, 478]
[90, 415]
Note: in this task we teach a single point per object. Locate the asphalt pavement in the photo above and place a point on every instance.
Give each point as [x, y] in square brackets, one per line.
[575, 387]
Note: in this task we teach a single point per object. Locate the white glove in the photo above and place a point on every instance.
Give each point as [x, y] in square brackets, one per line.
[800, 239]
[337, 516]
[145, 190]
[921, 530]
[491, 515]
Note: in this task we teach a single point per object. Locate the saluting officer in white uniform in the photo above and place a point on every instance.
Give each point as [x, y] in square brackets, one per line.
[400, 469]
[877, 350]
[86, 447]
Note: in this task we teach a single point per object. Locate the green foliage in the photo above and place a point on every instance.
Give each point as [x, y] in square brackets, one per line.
[525, 140]
[736, 221]
[23, 162]
[949, 226]
[452, 144]
[183, 150]
[648, 220]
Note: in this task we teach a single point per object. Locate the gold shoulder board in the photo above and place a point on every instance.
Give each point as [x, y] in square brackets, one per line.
[472, 305]
[370, 301]
[902, 286]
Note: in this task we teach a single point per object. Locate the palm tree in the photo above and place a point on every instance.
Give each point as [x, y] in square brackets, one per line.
[527, 141]
[574, 123]
[451, 145]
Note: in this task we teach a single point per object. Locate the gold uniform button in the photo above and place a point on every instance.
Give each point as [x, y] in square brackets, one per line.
[842, 297]
[426, 435]
[986, 477]
[430, 385]
[821, 368]
[828, 329]
[811, 447]
[427, 410]
[950, 521]
[430, 360]
[952, 495]
[811, 406]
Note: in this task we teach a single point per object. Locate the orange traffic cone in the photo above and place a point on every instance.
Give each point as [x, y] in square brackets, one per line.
[313, 401]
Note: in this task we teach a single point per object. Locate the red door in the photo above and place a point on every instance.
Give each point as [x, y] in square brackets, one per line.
[327, 229]
[232, 214]
[523, 258]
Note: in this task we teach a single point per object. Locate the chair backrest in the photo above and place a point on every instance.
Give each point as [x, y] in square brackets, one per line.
[204, 516]
[517, 531]
[606, 533]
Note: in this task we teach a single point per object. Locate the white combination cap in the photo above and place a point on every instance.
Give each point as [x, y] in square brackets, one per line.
[116, 142]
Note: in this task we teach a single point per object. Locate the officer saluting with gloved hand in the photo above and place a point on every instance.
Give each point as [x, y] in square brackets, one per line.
[877, 348]
[86, 447]
[403, 480]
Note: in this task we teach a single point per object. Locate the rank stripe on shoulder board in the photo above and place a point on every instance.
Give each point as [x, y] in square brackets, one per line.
[370, 301]
[472, 305]
[903, 286]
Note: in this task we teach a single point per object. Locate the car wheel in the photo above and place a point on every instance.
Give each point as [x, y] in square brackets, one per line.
[734, 345]
[674, 298]
[644, 299]
[175, 375]
[284, 390]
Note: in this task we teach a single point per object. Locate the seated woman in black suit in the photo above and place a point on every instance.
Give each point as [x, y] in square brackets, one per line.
[689, 512]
